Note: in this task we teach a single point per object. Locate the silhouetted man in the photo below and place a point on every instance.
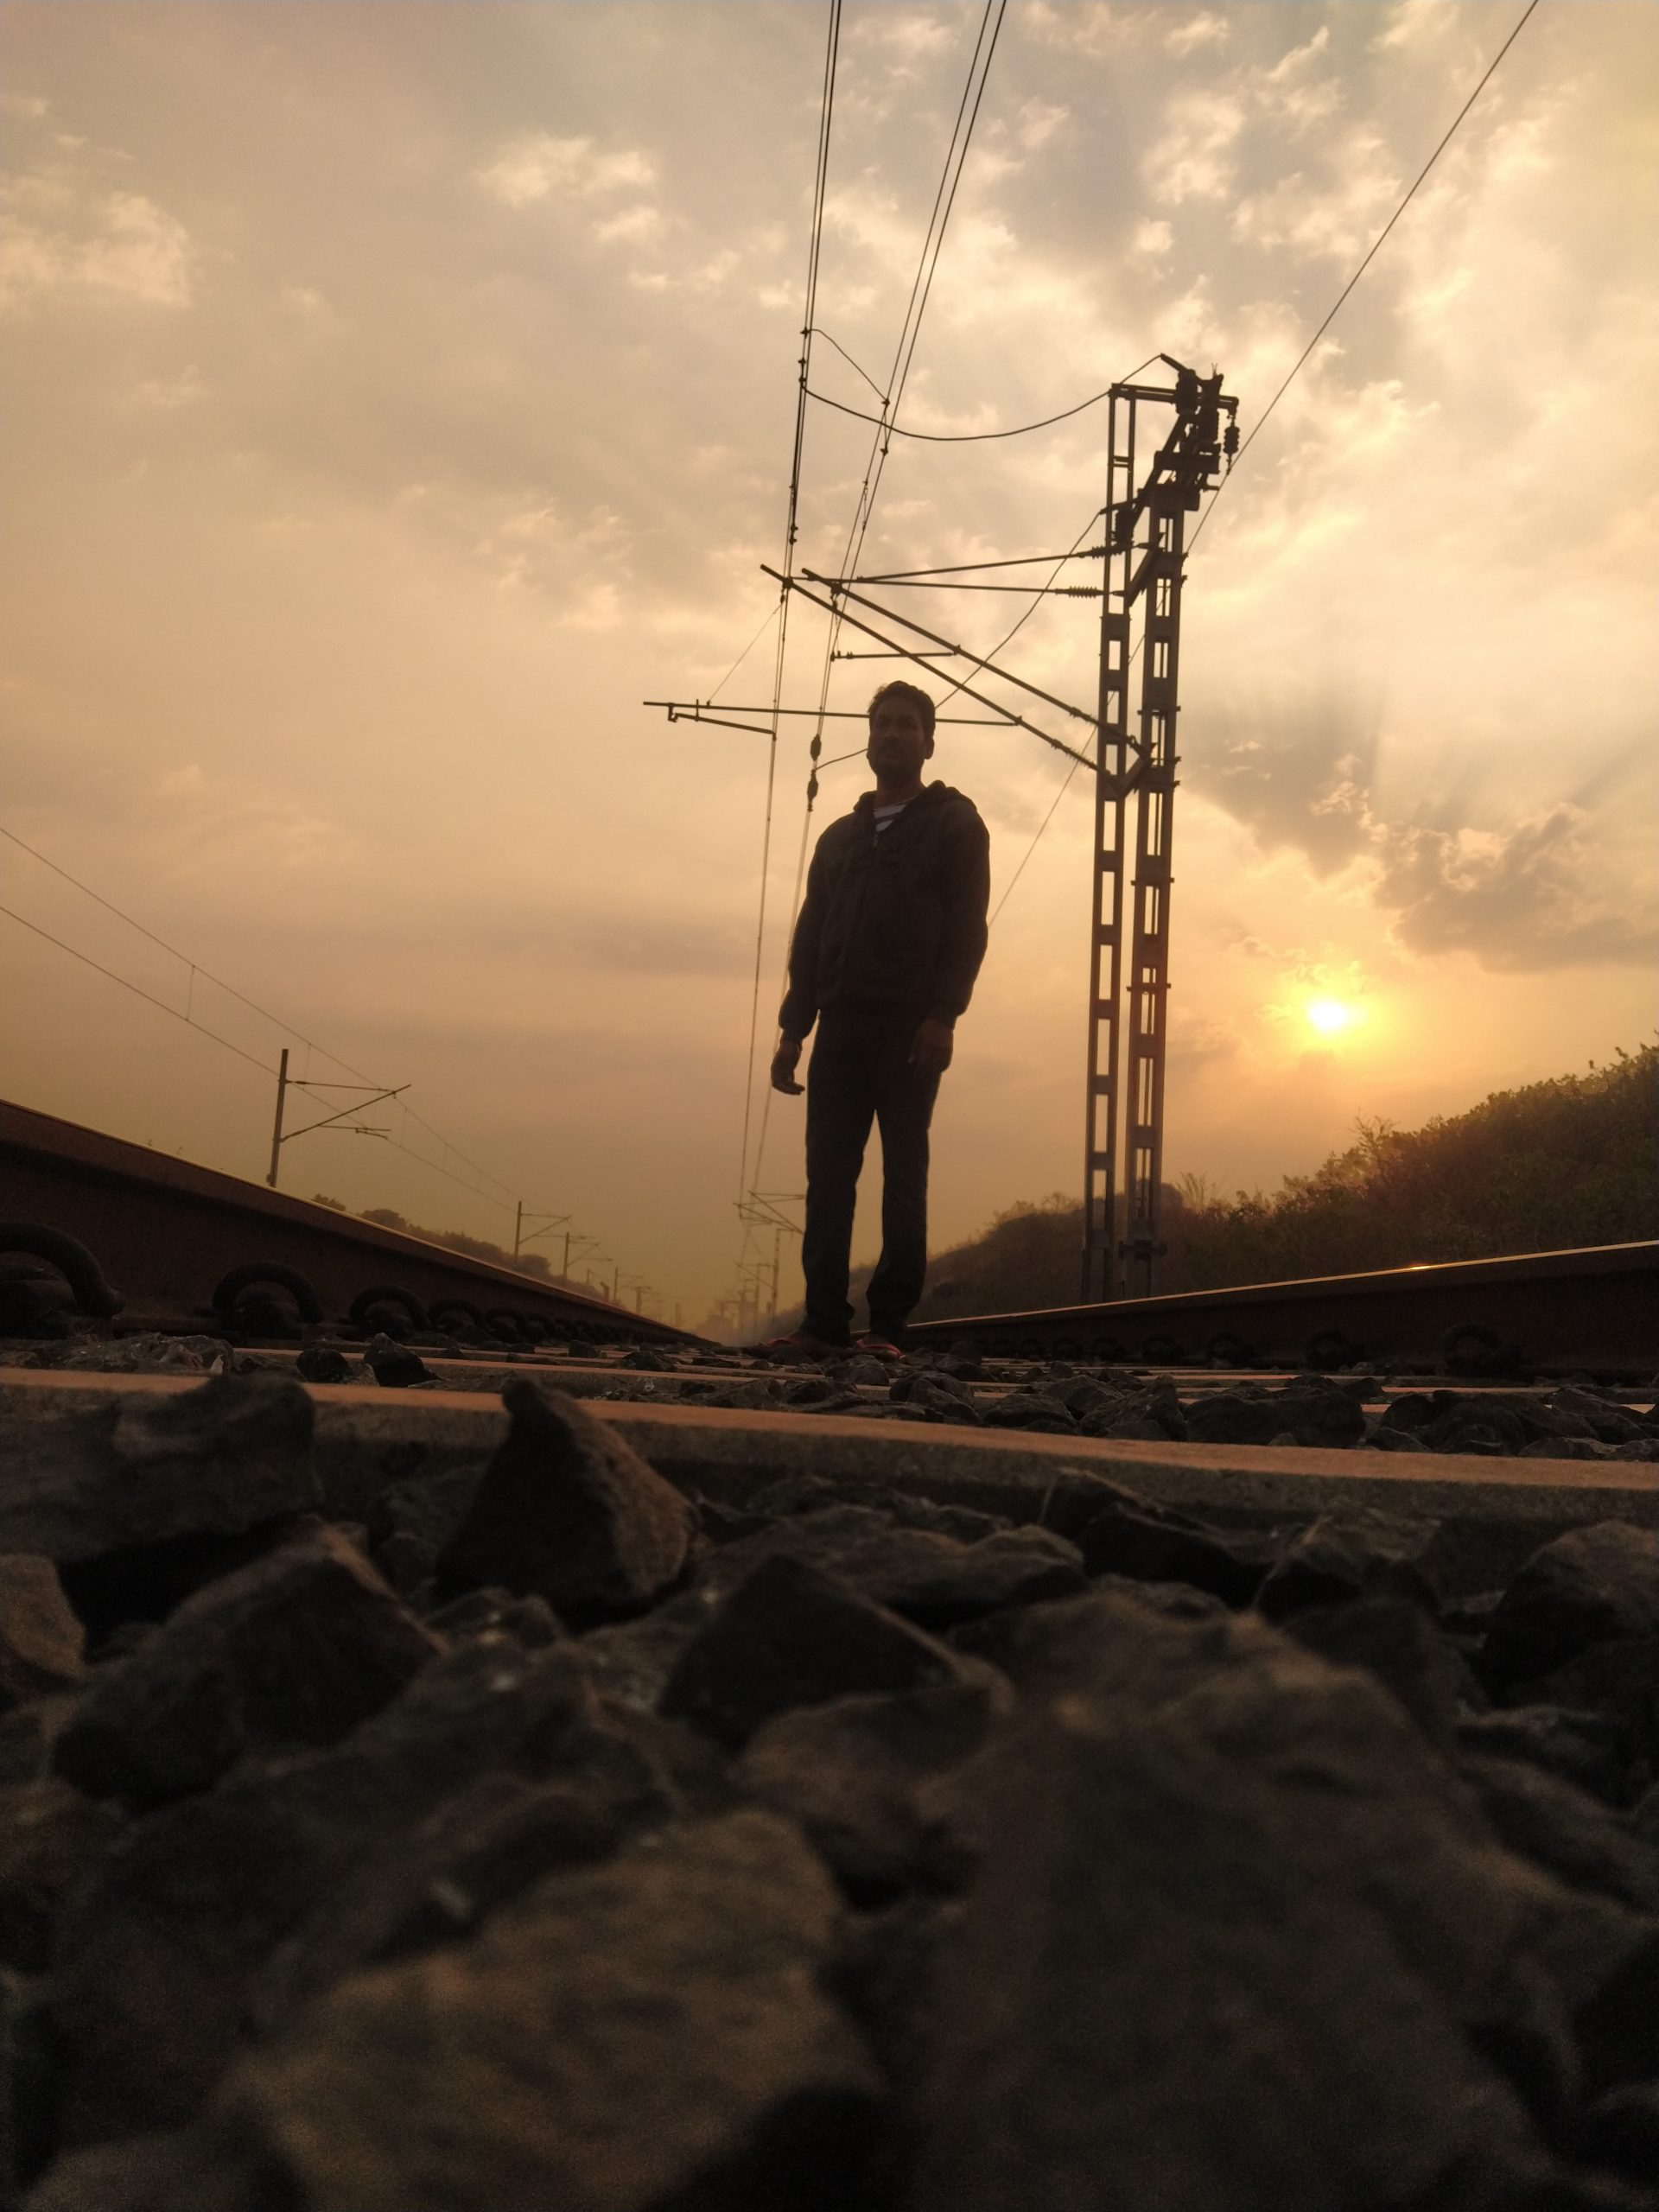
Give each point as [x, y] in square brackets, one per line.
[886, 950]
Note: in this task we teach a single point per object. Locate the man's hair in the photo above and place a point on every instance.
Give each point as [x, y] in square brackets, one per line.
[913, 692]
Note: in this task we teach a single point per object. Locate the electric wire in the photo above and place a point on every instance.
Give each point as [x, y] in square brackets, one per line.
[910, 332]
[189, 1020]
[771, 617]
[1260, 423]
[851, 364]
[957, 437]
[286, 1028]
[826, 115]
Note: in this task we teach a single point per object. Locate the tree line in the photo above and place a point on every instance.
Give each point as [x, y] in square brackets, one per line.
[1572, 1160]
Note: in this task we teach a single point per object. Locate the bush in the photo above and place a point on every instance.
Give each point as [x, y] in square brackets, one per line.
[1566, 1162]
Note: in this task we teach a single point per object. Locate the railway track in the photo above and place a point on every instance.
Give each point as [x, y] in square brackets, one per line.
[145, 1242]
[1595, 1310]
[138, 1240]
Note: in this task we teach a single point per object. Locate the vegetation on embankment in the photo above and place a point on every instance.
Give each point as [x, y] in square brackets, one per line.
[1574, 1160]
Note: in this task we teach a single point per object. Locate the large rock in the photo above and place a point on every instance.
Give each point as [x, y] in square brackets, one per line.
[1155, 1984]
[569, 1512]
[477, 1850]
[643, 2034]
[51, 1841]
[1589, 1587]
[1313, 1415]
[1150, 1543]
[852, 1774]
[158, 1956]
[1349, 1552]
[409, 1522]
[42, 1641]
[789, 1636]
[1560, 1827]
[1238, 1938]
[926, 1575]
[295, 1649]
[1394, 1639]
[1362, 1796]
[139, 1470]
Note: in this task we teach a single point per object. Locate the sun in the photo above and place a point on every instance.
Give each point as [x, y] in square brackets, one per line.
[1330, 1016]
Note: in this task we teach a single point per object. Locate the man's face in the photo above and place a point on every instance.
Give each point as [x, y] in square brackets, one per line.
[899, 740]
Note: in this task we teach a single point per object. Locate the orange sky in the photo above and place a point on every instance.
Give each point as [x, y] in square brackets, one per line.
[397, 395]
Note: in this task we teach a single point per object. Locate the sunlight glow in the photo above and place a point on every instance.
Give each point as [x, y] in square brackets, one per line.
[1330, 1015]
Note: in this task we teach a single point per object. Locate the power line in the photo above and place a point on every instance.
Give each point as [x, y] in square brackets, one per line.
[1260, 422]
[201, 1028]
[264, 1067]
[910, 332]
[851, 364]
[770, 618]
[826, 115]
[194, 966]
[957, 437]
[285, 1028]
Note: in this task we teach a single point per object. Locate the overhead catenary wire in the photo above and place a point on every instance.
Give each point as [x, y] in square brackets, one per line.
[285, 1028]
[791, 527]
[944, 202]
[956, 438]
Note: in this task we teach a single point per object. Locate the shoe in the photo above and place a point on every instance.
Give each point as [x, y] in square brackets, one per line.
[876, 1346]
[800, 1344]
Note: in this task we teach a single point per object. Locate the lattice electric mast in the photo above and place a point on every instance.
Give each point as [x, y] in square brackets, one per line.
[1145, 541]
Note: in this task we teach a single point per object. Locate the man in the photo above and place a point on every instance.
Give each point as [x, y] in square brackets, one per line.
[888, 942]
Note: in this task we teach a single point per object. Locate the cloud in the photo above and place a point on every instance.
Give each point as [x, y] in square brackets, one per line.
[1186, 38]
[538, 166]
[1338, 220]
[224, 827]
[631, 223]
[1297, 772]
[912, 39]
[1193, 159]
[1531, 897]
[166, 393]
[59, 239]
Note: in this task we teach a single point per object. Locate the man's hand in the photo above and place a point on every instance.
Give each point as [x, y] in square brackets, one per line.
[785, 1061]
[931, 1053]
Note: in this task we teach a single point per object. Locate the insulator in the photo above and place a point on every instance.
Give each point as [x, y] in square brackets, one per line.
[811, 789]
[816, 749]
[1229, 440]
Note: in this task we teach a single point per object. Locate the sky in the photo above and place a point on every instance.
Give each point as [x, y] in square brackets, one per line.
[395, 395]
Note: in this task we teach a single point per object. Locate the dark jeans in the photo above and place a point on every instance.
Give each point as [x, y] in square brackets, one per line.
[861, 1072]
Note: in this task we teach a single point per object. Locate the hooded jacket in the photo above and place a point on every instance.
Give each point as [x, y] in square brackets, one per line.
[894, 917]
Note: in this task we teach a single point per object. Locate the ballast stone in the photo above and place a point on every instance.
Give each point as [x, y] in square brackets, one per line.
[567, 1511]
[42, 1645]
[1592, 1586]
[214, 1461]
[789, 1636]
[294, 1650]
[647, 2033]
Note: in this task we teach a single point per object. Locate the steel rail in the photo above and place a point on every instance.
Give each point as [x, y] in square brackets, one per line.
[167, 1233]
[1594, 1309]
